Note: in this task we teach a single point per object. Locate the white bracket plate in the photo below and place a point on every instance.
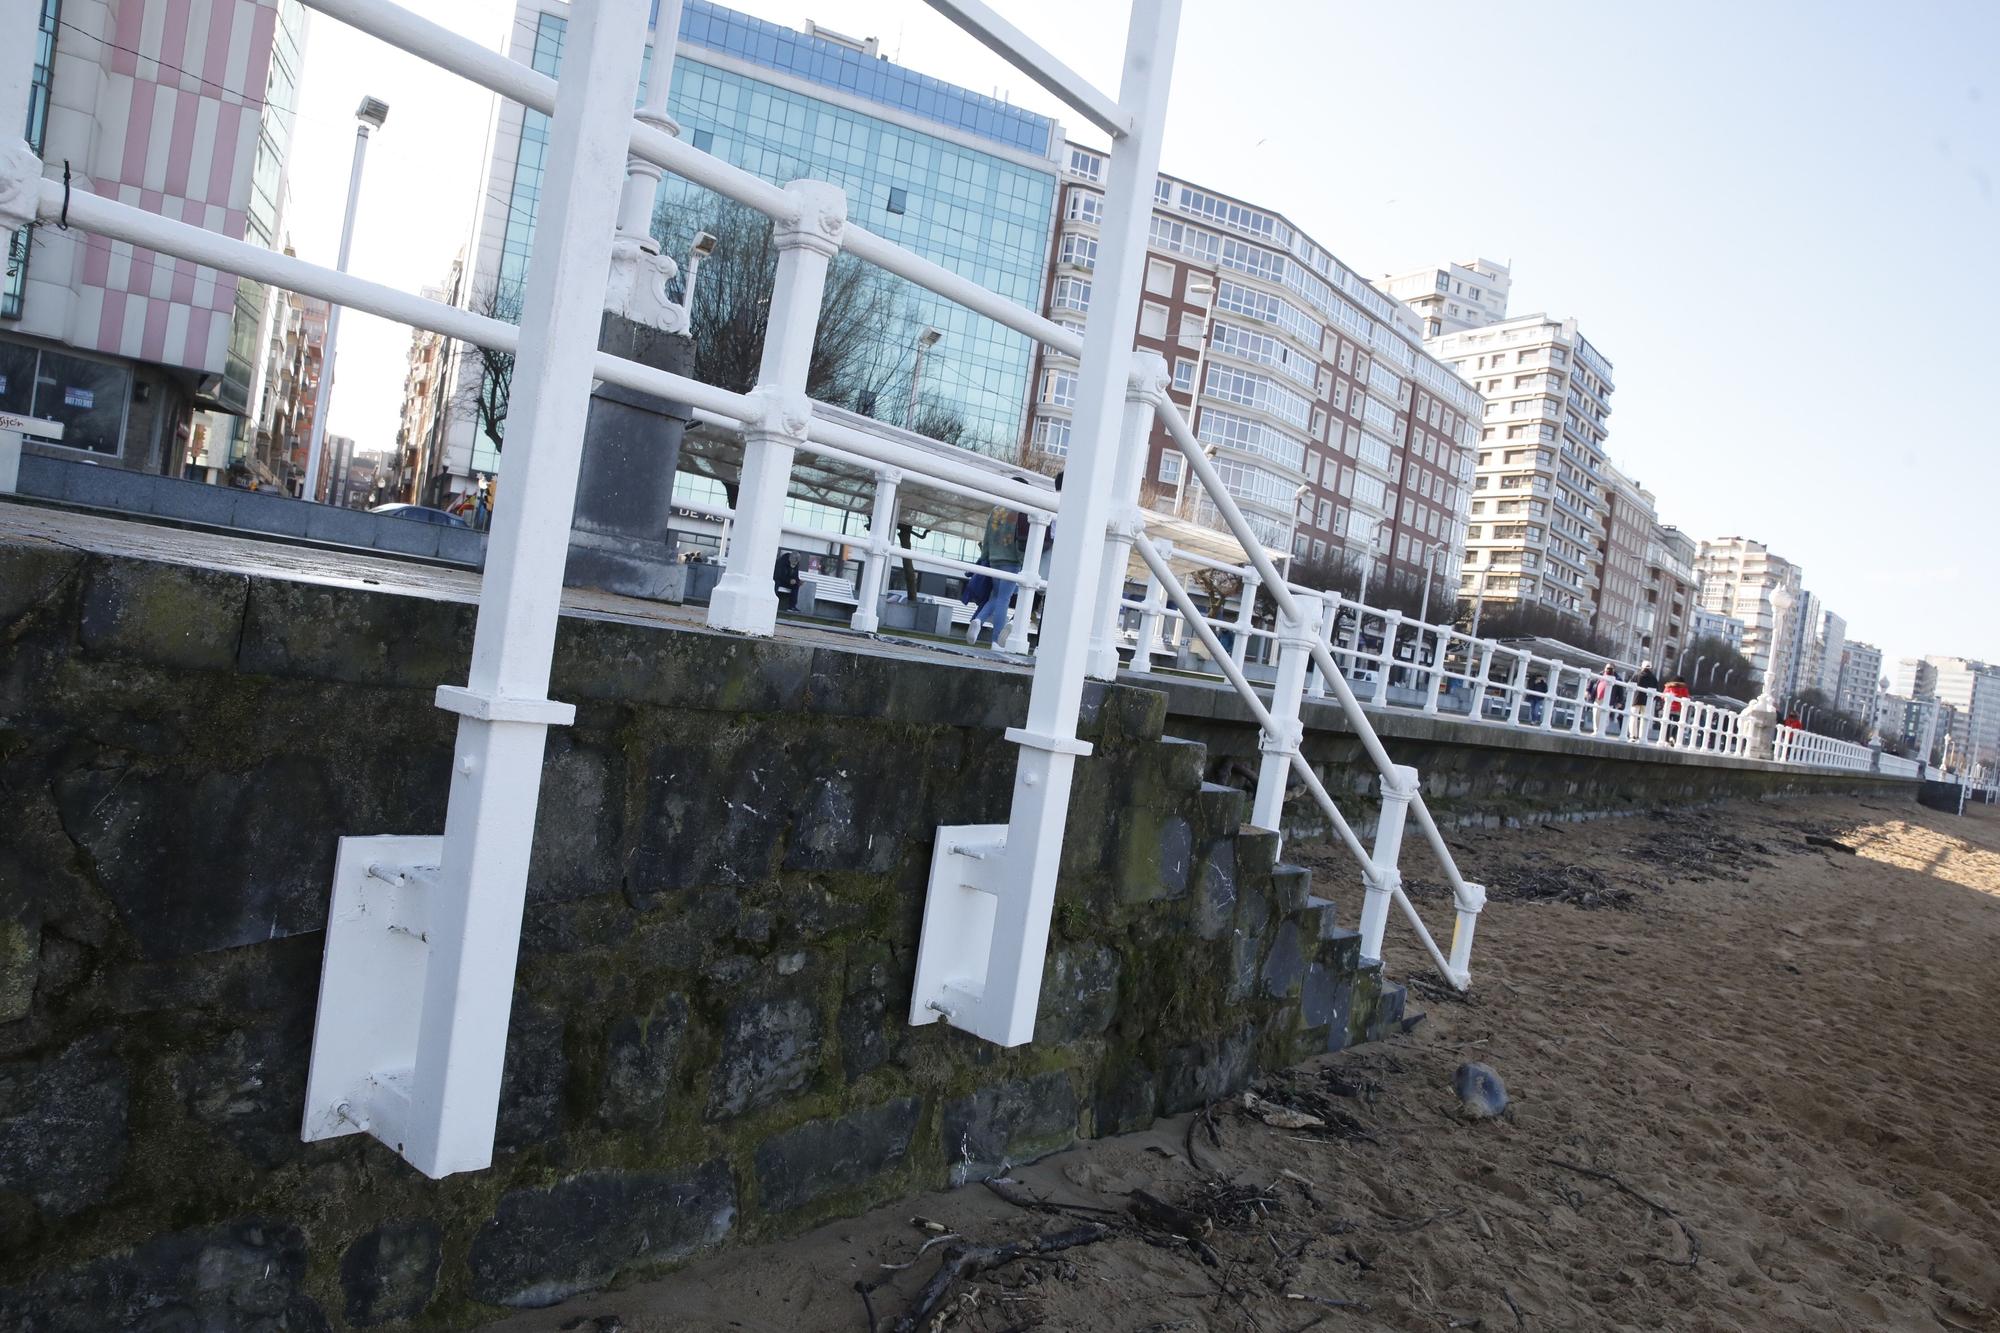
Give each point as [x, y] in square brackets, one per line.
[957, 940]
[371, 989]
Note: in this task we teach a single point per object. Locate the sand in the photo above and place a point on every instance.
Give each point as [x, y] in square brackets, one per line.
[1784, 1052]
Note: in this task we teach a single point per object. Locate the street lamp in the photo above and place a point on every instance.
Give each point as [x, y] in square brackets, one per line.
[1368, 561]
[368, 118]
[1478, 604]
[1695, 680]
[1430, 558]
[925, 341]
[1200, 288]
[702, 247]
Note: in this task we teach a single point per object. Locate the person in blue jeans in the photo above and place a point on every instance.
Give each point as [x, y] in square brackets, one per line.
[1001, 548]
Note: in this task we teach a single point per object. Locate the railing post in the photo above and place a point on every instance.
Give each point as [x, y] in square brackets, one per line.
[745, 598]
[1469, 904]
[1274, 770]
[1384, 875]
[881, 534]
[1246, 611]
[1549, 690]
[1440, 643]
[1517, 688]
[1484, 680]
[411, 1047]
[1024, 591]
[1151, 617]
[1385, 662]
[992, 888]
[1329, 620]
[1145, 381]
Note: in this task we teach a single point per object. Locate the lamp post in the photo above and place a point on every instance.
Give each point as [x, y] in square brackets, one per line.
[368, 118]
[1368, 562]
[1695, 680]
[1478, 604]
[1430, 559]
[925, 341]
[1198, 285]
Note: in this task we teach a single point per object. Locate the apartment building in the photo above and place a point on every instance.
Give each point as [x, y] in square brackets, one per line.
[437, 372]
[1825, 636]
[1453, 297]
[1914, 678]
[1667, 621]
[960, 178]
[1737, 578]
[1629, 524]
[1972, 690]
[1859, 682]
[1338, 436]
[181, 107]
[1706, 624]
[1539, 491]
[1920, 725]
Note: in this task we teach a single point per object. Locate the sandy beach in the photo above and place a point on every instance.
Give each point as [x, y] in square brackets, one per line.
[1753, 1055]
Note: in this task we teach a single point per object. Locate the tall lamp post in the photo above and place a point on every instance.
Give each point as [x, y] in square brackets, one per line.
[368, 118]
[1430, 559]
[925, 341]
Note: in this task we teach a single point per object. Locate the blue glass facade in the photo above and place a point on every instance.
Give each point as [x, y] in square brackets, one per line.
[983, 215]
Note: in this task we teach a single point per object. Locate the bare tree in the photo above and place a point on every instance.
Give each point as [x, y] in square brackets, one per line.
[489, 372]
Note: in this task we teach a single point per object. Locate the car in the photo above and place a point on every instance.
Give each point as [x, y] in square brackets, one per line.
[421, 514]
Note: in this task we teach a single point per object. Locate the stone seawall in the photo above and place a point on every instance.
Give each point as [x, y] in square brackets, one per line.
[1483, 775]
[708, 1043]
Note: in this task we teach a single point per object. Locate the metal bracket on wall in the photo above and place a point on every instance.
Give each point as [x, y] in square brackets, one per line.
[956, 948]
[371, 993]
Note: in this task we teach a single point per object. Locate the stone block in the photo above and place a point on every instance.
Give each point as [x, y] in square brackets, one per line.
[247, 1087]
[893, 689]
[1223, 808]
[1326, 916]
[642, 1054]
[1388, 1013]
[686, 669]
[1285, 966]
[389, 1274]
[462, 546]
[1245, 953]
[32, 576]
[1323, 1000]
[1079, 993]
[1127, 1100]
[1007, 1124]
[339, 634]
[210, 860]
[856, 801]
[193, 502]
[1215, 906]
[263, 511]
[249, 1274]
[715, 808]
[1155, 849]
[166, 615]
[1292, 887]
[823, 1157]
[580, 821]
[542, 1246]
[1361, 1007]
[770, 1049]
[531, 1081]
[1209, 1070]
[20, 953]
[1180, 764]
[63, 1136]
[1340, 950]
[110, 488]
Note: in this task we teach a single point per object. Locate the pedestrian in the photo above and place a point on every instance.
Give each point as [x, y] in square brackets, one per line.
[785, 578]
[1000, 548]
[1674, 691]
[1600, 695]
[1647, 680]
[1538, 686]
[1617, 702]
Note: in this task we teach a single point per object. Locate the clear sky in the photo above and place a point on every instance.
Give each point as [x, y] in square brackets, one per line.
[1775, 218]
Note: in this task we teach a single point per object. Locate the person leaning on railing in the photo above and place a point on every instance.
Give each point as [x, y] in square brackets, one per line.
[1002, 547]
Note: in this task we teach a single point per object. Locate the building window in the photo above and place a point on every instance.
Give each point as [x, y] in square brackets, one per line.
[1071, 294]
[703, 140]
[1052, 435]
[87, 396]
[899, 199]
[1059, 388]
[1085, 206]
[1085, 165]
[1183, 374]
[1159, 278]
[1152, 321]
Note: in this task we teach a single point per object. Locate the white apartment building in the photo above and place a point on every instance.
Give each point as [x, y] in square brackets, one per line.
[1539, 497]
[1972, 689]
[1914, 678]
[1859, 683]
[1706, 624]
[1819, 668]
[1339, 437]
[1453, 297]
[1737, 578]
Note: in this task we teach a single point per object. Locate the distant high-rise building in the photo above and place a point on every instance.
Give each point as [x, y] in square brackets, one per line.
[1973, 691]
[1706, 624]
[1336, 433]
[1821, 667]
[1737, 578]
[1539, 497]
[1860, 679]
[1453, 297]
[1919, 725]
[183, 108]
[1914, 678]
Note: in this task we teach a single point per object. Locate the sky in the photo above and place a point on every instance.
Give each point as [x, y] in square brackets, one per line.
[1771, 217]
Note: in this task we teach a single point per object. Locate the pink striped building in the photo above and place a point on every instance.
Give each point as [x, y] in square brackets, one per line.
[183, 108]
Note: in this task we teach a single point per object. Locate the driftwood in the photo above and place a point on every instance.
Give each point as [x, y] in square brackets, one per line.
[962, 1261]
[1694, 1241]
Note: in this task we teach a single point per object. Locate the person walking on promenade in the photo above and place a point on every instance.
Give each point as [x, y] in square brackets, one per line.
[1000, 548]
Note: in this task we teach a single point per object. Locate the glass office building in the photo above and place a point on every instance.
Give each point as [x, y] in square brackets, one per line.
[962, 179]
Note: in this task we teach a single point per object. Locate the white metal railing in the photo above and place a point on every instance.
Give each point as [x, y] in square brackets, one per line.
[423, 931]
